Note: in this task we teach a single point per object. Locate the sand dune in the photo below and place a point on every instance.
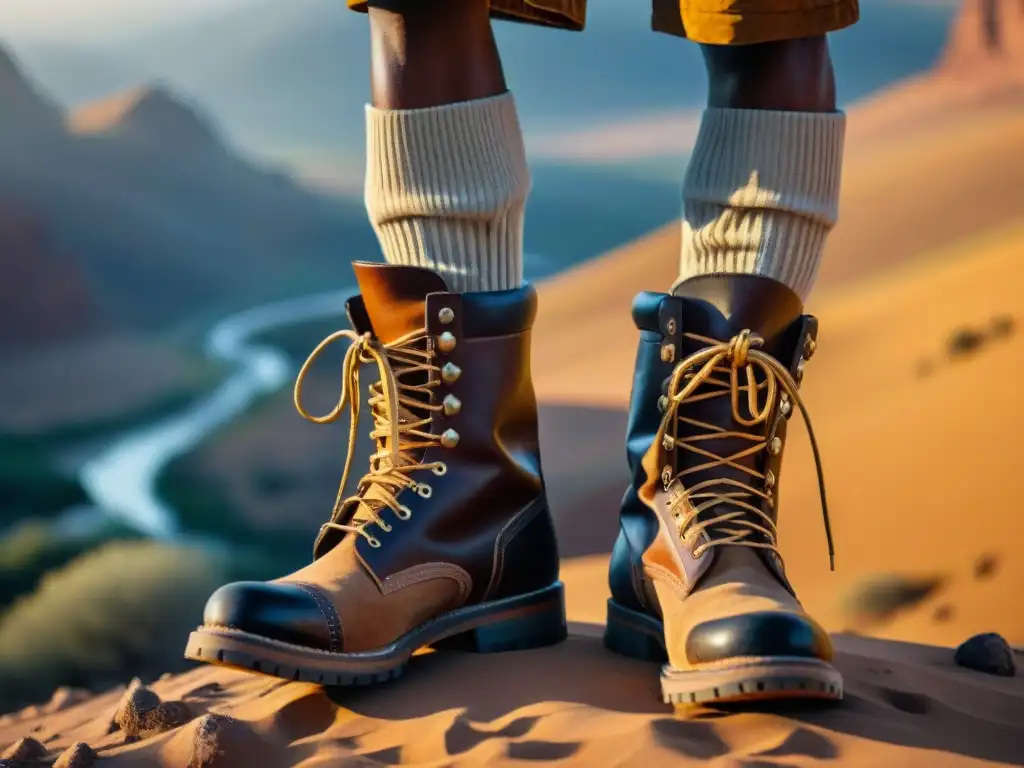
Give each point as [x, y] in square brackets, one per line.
[920, 465]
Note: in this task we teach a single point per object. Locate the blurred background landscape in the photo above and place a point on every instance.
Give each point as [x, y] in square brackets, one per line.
[180, 199]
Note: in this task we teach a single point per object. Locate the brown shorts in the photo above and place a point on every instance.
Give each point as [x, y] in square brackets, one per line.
[715, 22]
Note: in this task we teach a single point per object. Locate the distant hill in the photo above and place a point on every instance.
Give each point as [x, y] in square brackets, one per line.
[291, 77]
[44, 297]
[162, 218]
[987, 33]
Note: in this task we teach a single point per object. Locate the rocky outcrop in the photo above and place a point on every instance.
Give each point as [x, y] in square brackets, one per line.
[154, 213]
[152, 114]
[988, 34]
[44, 297]
[25, 113]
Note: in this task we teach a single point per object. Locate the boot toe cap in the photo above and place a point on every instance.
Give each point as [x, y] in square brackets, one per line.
[760, 634]
[289, 613]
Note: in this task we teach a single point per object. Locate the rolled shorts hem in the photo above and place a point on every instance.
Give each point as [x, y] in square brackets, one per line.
[712, 22]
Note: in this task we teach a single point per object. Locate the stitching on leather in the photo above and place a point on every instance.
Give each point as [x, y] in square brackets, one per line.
[328, 611]
[425, 572]
[656, 571]
[508, 532]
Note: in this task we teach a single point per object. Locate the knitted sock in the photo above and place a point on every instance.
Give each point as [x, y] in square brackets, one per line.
[446, 188]
[761, 194]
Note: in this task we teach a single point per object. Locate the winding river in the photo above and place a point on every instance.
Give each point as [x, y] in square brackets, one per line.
[121, 479]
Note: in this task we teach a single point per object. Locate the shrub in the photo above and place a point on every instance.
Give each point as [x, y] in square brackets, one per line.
[30, 486]
[123, 610]
[36, 547]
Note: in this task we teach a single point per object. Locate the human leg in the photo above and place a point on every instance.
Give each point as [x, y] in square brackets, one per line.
[696, 575]
[448, 537]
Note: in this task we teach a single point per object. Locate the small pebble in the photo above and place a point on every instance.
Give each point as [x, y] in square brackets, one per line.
[985, 566]
[943, 613]
[166, 717]
[1002, 326]
[65, 697]
[78, 755]
[137, 701]
[964, 342]
[24, 750]
[988, 653]
[212, 731]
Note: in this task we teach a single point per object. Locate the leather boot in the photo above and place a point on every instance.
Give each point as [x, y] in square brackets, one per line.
[696, 576]
[448, 538]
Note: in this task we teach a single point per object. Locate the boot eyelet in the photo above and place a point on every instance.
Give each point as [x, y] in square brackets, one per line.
[785, 406]
[775, 446]
[375, 543]
[424, 490]
[662, 403]
[450, 438]
[403, 512]
[810, 346]
[446, 341]
[668, 443]
[666, 476]
[440, 469]
[385, 527]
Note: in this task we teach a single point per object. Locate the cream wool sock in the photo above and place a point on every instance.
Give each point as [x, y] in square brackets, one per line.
[761, 194]
[446, 188]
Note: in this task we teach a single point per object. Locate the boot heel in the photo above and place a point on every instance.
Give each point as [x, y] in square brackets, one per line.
[534, 625]
[633, 634]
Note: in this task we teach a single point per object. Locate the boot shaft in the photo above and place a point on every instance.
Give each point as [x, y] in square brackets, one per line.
[490, 490]
[672, 328]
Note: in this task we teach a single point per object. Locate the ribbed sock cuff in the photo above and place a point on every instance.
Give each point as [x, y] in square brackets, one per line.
[761, 194]
[446, 189]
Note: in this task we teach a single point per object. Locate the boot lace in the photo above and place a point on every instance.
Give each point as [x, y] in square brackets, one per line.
[400, 430]
[734, 508]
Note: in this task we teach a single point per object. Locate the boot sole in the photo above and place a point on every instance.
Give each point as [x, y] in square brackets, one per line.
[639, 636]
[526, 621]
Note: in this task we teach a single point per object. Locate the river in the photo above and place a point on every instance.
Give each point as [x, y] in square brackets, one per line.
[121, 479]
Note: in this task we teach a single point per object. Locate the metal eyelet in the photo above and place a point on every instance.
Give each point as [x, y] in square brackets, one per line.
[375, 543]
[449, 438]
[403, 512]
[446, 341]
[424, 490]
[385, 527]
[666, 476]
[440, 469]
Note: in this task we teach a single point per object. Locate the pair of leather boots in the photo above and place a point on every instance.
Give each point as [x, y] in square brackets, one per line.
[449, 541]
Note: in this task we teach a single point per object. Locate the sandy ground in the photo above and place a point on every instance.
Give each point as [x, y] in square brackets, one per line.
[920, 455]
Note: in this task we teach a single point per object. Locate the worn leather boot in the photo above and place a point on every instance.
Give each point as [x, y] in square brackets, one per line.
[696, 575]
[448, 538]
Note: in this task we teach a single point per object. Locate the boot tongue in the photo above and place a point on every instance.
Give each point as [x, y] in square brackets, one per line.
[719, 307]
[760, 304]
[394, 297]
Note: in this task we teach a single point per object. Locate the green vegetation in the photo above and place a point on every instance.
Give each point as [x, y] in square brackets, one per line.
[124, 610]
[35, 547]
[30, 485]
[204, 508]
